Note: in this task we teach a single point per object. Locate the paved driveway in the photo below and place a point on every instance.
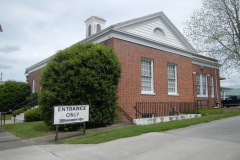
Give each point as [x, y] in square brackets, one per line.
[218, 140]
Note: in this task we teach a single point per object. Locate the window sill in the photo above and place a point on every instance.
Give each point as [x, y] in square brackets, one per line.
[173, 94]
[203, 96]
[148, 93]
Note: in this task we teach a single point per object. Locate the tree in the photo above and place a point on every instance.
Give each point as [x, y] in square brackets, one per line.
[79, 75]
[215, 31]
[12, 93]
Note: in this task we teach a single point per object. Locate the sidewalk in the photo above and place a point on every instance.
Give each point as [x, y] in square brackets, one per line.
[9, 141]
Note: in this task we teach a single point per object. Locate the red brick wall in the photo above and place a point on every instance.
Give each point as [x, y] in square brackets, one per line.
[130, 56]
[34, 75]
[211, 72]
[129, 92]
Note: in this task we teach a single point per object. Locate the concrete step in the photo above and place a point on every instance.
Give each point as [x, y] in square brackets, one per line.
[19, 118]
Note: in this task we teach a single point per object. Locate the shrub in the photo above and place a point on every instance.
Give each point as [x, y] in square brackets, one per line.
[79, 75]
[205, 112]
[32, 100]
[18, 111]
[12, 93]
[33, 115]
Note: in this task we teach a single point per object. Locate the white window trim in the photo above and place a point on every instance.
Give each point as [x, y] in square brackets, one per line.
[201, 89]
[176, 81]
[152, 81]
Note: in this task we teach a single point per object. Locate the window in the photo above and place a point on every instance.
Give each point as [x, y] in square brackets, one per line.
[202, 90]
[147, 76]
[98, 28]
[172, 79]
[89, 30]
[33, 86]
[212, 86]
[158, 33]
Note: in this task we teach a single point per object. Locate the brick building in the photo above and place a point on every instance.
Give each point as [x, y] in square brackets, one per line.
[158, 63]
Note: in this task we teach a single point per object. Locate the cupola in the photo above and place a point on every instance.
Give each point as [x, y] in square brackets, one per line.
[94, 25]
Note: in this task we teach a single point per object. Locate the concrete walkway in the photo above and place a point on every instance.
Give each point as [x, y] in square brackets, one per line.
[208, 141]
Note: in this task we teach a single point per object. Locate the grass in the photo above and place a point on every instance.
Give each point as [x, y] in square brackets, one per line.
[8, 116]
[29, 129]
[131, 131]
[36, 129]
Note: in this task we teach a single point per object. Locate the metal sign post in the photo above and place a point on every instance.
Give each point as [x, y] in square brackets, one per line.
[84, 128]
[2, 115]
[56, 137]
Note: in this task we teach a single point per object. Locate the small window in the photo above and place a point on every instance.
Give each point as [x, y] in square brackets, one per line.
[158, 33]
[98, 28]
[89, 30]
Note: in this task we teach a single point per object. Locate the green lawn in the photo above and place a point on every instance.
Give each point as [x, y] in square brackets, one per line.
[8, 116]
[29, 129]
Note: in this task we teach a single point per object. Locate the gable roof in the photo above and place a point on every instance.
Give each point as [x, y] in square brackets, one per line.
[140, 30]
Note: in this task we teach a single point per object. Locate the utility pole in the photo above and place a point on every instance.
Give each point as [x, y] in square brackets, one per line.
[1, 77]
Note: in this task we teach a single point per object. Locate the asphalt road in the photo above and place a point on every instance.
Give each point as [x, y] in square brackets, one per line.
[217, 140]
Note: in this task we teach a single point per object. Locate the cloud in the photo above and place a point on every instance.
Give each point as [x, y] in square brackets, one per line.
[5, 66]
[9, 49]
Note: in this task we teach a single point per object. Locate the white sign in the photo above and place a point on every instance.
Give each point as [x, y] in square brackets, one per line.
[71, 114]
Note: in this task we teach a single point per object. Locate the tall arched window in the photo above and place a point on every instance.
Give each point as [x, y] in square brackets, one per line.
[89, 30]
[98, 28]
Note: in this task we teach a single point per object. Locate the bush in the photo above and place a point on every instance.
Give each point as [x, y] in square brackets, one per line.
[12, 93]
[18, 111]
[32, 100]
[79, 75]
[33, 115]
[205, 112]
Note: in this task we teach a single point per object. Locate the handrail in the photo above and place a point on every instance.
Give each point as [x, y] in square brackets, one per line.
[125, 113]
[137, 111]
[24, 103]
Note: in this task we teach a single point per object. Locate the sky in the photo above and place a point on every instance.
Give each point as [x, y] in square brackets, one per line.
[33, 30]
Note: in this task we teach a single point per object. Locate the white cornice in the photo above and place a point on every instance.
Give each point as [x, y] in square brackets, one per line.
[205, 62]
[38, 65]
[138, 40]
